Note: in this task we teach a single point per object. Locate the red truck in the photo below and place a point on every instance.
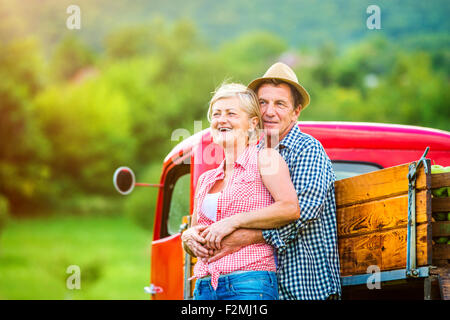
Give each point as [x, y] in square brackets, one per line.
[355, 149]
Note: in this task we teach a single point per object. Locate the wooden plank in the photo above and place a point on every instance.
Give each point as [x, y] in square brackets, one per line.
[382, 214]
[441, 251]
[443, 274]
[440, 271]
[441, 228]
[439, 180]
[379, 184]
[441, 263]
[440, 204]
[386, 249]
[193, 262]
[444, 284]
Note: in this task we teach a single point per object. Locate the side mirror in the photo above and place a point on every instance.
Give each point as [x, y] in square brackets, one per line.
[124, 180]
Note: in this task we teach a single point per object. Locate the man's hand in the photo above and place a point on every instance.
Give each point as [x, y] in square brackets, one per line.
[193, 241]
[235, 241]
[218, 231]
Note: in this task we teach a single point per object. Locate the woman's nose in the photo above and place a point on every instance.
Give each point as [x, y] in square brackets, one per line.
[222, 118]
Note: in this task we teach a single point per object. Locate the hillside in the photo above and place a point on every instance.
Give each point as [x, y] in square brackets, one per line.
[302, 23]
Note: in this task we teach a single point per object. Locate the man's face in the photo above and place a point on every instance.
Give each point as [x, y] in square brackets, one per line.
[277, 109]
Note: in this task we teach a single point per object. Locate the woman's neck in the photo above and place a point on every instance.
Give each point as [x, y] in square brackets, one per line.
[232, 154]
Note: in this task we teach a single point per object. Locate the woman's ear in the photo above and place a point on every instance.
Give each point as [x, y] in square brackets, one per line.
[254, 123]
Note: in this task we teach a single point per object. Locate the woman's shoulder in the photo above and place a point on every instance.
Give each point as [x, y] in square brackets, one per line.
[269, 160]
[205, 175]
[266, 155]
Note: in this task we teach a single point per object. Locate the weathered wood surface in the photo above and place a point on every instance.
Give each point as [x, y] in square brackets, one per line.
[443, 275]
[440, 204]
[444, 284]
[385, 249]
[372, 217]
[441, 263]
[441, 251]
[441, 229]
[380, 215]
[380, 184]
[440, 180]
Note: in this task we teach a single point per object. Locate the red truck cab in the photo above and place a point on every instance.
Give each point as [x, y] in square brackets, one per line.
[354, 148]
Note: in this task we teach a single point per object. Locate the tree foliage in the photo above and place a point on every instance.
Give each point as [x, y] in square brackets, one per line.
[70, 118]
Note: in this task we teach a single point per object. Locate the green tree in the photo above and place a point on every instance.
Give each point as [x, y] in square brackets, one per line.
[89, 132]
[70, 56]
[24, 150]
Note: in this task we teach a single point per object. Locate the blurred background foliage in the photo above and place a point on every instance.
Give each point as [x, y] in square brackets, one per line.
[76, 104]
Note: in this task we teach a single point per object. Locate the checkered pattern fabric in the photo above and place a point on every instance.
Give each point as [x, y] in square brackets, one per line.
[307, 252]
[244, 192]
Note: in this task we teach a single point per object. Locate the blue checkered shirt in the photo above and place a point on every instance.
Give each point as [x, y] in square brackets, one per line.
[307, 253]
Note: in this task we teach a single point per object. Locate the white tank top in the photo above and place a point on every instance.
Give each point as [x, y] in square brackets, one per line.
[209, 205]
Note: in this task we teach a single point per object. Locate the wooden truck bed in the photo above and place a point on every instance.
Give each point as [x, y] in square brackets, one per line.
[373, 233]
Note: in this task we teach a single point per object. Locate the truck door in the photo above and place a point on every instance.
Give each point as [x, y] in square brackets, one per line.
[167, 253]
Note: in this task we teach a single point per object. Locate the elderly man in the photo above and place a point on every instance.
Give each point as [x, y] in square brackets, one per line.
[306, 250]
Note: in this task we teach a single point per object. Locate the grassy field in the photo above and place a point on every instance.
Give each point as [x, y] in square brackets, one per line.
[113, 255]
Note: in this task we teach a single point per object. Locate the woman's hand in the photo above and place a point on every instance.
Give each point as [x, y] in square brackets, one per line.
[214, 233]
[195, 242]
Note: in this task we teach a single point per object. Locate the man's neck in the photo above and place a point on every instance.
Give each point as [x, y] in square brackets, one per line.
[273, 141]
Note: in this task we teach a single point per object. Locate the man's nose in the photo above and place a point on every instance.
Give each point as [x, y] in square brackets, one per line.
[269, 110]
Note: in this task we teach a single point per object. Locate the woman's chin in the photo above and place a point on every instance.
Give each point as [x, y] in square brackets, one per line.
[227, 140]
[232, 143]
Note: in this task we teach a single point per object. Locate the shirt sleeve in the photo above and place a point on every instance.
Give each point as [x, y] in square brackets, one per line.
[312, 176]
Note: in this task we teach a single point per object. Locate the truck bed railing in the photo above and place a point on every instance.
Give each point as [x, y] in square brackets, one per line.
[385, 226]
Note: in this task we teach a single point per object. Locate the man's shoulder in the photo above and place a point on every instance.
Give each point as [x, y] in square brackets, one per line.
[301, 142]
[305, 150]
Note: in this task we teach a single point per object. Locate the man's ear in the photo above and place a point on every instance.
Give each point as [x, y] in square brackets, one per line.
[297, 111]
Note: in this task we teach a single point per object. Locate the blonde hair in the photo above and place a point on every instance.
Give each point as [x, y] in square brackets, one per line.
[248, 98]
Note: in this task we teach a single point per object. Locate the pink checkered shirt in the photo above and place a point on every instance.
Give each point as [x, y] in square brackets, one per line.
[245, 192]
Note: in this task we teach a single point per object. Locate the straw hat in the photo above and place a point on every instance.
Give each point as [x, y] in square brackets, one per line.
[283, 72]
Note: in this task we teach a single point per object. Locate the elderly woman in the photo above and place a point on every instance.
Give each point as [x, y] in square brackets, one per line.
[251, 188]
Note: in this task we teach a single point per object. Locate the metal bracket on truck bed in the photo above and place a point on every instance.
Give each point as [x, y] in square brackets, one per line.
[411, 259]
[383, 276]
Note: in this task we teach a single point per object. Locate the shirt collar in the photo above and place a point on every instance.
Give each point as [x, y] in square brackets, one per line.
[243, 160]
[289, 140]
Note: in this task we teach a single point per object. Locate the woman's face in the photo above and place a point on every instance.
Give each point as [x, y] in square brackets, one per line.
[230, 123]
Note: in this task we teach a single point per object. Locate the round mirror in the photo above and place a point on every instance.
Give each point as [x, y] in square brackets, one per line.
[124, 180]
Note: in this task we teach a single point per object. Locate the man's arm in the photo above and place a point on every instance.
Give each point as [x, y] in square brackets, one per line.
[275, 177]
[313, 178]
[236, 240]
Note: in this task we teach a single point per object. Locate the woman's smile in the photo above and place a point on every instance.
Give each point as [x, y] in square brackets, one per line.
[229, 122]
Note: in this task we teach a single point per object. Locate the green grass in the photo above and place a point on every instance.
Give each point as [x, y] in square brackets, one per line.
[113, 255]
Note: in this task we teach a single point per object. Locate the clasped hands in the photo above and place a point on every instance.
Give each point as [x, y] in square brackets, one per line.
[205, 242]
